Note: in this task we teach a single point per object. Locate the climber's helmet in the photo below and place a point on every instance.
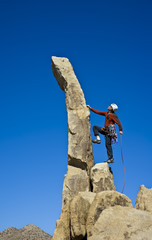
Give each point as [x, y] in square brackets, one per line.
[114, 107]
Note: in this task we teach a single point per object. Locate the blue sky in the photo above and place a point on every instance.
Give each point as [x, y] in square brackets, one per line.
[109, 46]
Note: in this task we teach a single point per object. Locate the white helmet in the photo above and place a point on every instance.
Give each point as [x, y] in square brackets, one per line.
[114, 107]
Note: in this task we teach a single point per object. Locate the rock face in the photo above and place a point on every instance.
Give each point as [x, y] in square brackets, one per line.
[79, 213]
[80, 155]
[144, 199]
[29, 232]
[102, 178]
[91, 207]
[63, 230]
[76, 180]
[80, 146]
[102, 201]
[122, 223]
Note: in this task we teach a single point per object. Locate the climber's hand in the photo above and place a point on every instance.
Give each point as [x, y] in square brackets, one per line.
[88, 106]
[121, 132]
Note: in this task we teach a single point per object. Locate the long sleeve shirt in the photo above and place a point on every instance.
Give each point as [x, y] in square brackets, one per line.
[110, 118]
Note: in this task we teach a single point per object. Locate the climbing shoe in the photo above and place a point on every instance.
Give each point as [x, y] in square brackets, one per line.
[96, 141]
[110, 160]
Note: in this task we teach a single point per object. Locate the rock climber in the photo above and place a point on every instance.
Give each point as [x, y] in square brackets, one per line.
[109, 128]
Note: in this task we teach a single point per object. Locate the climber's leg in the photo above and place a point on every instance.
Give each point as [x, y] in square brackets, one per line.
[96, 131]
[109, 147]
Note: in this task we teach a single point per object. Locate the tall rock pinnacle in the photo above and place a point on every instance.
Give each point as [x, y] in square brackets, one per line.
[91, 207]
[80, 146]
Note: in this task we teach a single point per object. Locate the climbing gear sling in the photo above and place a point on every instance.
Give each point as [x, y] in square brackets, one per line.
[112, 133]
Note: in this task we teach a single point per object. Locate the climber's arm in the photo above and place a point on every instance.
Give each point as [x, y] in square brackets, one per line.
[96, 111]
[117, 121]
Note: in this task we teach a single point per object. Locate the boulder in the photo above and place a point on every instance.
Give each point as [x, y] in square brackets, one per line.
[102, 201]
[80, 146]
[76, 180]
[102, 178]
[79, 209]
[122, 223]
[144, 199]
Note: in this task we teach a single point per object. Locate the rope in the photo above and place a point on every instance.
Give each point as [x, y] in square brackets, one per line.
[123, 164]
[120, 229]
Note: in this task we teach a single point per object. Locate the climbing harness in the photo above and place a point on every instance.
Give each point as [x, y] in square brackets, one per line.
[112, 133]
[111, 130]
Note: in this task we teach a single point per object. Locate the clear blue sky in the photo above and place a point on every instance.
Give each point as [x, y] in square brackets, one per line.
[109, 46]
